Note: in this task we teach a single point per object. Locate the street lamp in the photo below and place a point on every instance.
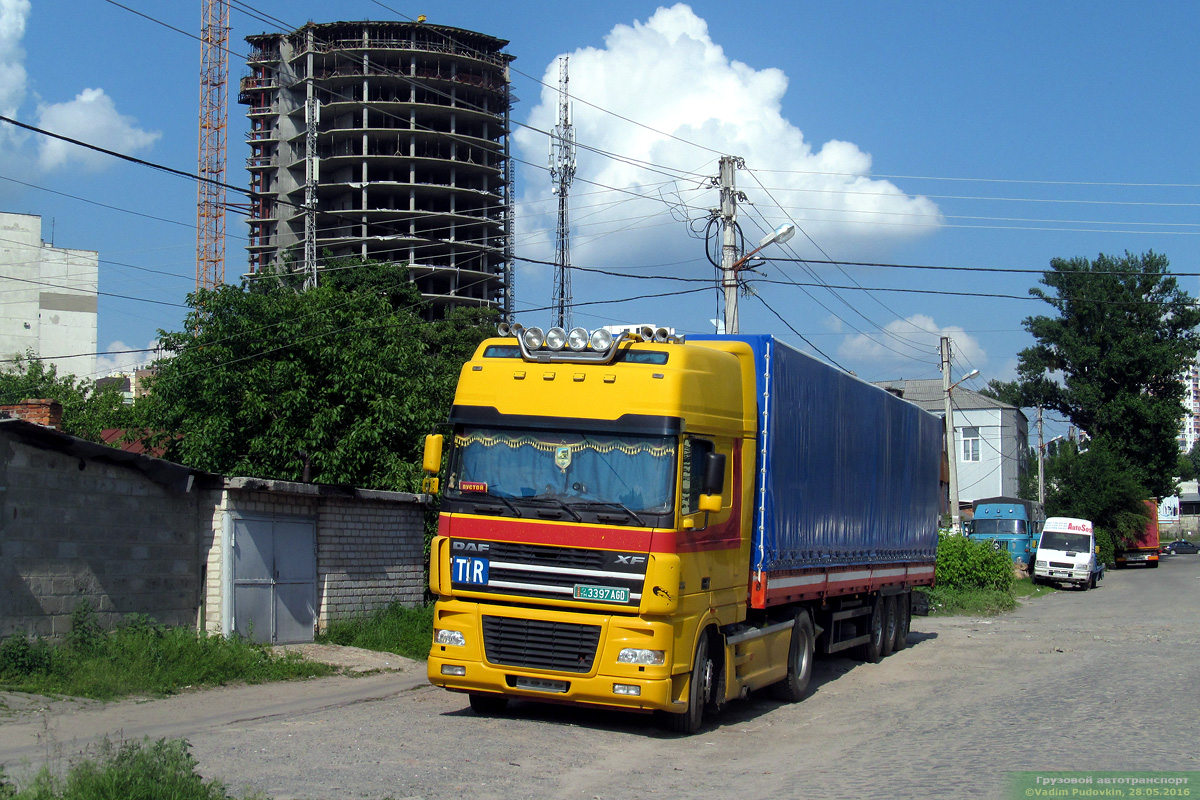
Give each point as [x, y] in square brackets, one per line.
[729, 273]
[951, 448]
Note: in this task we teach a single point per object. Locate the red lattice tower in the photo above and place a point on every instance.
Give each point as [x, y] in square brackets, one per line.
[214, 115]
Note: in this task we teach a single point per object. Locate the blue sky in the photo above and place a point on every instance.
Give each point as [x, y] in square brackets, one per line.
[977, 135]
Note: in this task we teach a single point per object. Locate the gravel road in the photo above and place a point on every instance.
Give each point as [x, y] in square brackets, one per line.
[1074, 680]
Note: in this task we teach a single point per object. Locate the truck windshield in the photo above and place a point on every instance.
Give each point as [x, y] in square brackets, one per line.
[994, 526]
[1055, 540]
[589, 471]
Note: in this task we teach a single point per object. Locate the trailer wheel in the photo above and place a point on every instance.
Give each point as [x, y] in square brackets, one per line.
[794, 687]
[872, 651]
[700, 688]
[889, 625]
[486, 705]
[903, 620]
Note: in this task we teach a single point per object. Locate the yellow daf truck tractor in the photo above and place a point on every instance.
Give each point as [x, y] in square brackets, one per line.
[641, 522]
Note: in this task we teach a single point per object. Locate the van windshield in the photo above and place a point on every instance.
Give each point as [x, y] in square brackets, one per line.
[1056, 540]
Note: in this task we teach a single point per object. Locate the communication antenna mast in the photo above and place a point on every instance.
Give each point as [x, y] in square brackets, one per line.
[214, 115]
[562, 171]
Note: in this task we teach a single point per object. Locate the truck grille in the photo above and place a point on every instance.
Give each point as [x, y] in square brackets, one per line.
[537, 644]
[1062, 565]
[529, 570]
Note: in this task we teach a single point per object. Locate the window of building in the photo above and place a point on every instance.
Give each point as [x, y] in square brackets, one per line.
[970, 444]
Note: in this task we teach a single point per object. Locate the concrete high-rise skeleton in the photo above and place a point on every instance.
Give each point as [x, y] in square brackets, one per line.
[389, 141]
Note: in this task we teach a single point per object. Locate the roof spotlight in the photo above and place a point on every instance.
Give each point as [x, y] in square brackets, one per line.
[533, 338]
[555, 338]
[577, 339]
[601, 340]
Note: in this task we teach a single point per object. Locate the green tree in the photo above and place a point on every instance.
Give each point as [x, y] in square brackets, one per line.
[1096, 484]
[1110, 360]
[87, 410]
[334, 384]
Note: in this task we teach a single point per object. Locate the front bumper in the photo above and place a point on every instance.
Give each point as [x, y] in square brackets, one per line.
[524, 638]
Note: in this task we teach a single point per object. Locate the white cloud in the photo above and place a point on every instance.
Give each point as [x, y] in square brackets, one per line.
[91, 117]
[918, 335]
[13, 14]
[668, 74]
[118, 361]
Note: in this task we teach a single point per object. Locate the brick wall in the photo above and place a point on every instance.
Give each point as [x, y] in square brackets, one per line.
[42, 412]
[74, 529]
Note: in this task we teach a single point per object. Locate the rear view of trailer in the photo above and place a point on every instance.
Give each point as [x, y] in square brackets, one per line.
[848, 494]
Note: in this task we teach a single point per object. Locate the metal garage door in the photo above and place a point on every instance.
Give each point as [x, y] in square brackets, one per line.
[274, 579]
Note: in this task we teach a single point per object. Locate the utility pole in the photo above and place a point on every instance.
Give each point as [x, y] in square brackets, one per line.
[1041, 460]
[562, 171]
[729, 253]
[951, 450]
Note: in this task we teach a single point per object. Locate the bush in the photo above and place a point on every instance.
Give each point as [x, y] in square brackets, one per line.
[964, 563]
[396, 629]
[1104, 541]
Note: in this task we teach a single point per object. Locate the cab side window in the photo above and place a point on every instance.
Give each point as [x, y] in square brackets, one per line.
[694, 452]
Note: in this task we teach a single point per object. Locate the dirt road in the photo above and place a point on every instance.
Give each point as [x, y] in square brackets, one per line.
[1076, 680]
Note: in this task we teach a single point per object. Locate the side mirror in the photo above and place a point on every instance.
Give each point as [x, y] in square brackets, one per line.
[432, 462]
[714, 475]
[710, 503]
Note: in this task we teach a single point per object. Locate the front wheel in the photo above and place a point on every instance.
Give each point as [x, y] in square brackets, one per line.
[800, 655]
[700, 693]
[486, 705]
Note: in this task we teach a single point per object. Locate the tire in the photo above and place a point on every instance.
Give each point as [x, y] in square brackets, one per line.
[700, 692]
[889, 625]
[487, 705]
[794, 687]
[903, 620]
[872, 651]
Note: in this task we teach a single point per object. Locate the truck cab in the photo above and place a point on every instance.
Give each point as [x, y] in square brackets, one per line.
[1067, 554]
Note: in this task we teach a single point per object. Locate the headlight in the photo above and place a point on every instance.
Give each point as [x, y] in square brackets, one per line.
[632, 655]
[1041, 564]
[556, 338]
[452, 638]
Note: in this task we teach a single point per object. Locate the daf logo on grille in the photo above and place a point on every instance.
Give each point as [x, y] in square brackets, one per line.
[471, 547]
[631, 560]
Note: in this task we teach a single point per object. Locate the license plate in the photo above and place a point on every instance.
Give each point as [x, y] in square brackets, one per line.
[542, 685]
[464, 569]
[1064, 574]
[602, 594]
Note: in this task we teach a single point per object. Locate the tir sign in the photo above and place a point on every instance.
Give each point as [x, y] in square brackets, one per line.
[469, 570]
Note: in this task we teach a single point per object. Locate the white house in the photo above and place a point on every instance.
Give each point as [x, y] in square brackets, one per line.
[991, 439]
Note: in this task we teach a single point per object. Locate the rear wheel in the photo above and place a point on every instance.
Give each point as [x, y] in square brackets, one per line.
[800, 655]
[485, 705]
[872, 651]
[700, 687]
[889, 624]
[903, 620]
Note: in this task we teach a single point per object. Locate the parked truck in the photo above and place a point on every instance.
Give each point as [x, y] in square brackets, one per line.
[1144, 548]
[1011, 525]
[1067, 553]
[643, 523]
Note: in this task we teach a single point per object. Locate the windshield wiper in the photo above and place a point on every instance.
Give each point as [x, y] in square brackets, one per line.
[552, 499]
[502, 499]
[612, 504]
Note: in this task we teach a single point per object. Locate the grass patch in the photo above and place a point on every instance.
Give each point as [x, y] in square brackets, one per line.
[398, 629]
[1025, 588]
[134, 771]
[140, 657]
[946, 601]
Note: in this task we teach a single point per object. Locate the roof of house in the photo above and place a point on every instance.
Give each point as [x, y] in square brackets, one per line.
[929, 395]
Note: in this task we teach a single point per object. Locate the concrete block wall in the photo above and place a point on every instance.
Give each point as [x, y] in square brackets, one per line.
[369, 554]
[74, 529]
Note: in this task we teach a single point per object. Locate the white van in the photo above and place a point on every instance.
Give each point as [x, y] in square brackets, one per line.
[1067, 553]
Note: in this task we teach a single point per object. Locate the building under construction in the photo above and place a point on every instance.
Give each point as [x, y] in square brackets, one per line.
[385, 140]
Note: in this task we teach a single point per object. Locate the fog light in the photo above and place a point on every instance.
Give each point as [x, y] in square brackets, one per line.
[632, 655]
[454, 669]
[452, 638]
[627, 689]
